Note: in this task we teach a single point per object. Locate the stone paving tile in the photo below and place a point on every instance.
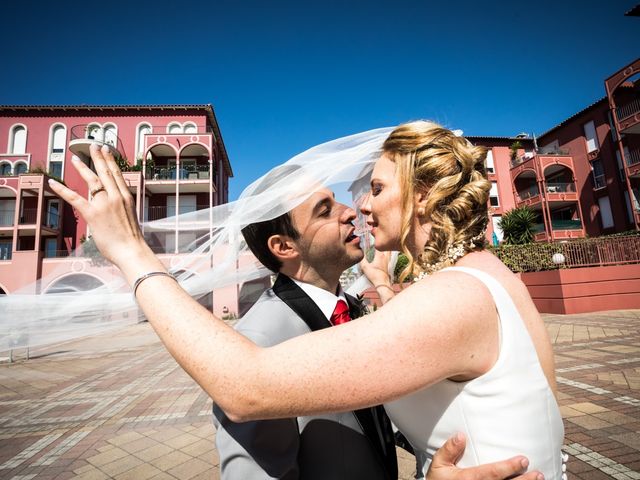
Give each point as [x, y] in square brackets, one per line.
[117, 406]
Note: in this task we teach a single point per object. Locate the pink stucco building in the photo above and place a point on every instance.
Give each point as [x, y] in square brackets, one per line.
[581, 177]
[176, 162]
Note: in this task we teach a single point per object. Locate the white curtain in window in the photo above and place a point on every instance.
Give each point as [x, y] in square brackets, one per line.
[590, 135]
[57, 145]
[490, 166]
[19, 141]
[110, 136]
[605, 212]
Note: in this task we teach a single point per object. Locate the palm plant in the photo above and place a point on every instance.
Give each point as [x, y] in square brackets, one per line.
[518, 226]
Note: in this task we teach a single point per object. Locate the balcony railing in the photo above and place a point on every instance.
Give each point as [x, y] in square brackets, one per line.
[628, 110]
[186, 172]
[566, 224]
[587, 252]
[158, 213]
[59, 254]
[528, 192]
[7, 218]
[632, 157]
[559, 225]
[599, 181]
[554, 152]
[29, 216]
[559, 187]
[95, 133]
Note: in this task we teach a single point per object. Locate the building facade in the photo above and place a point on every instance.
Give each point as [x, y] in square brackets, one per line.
[174, 161]
[581, 177]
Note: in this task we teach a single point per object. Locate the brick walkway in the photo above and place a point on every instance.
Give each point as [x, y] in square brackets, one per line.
[117, 406]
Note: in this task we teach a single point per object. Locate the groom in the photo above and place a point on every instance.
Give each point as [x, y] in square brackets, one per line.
[309, 247]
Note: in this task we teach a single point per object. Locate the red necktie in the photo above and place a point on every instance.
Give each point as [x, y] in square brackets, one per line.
[340, 314]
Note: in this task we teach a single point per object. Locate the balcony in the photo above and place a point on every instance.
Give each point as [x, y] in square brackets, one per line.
[560, 230]
[7, 218]
[14, 164]
[629, 117]
[158, 213]
[28, 216]
[186, 172]
[632, 159]
[561, 192]
[82, 136]
[528, 196]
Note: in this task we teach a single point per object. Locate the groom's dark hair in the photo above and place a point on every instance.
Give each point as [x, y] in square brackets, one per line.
[257, 234]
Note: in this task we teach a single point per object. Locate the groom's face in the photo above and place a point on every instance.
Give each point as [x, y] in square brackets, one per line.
[327, 239]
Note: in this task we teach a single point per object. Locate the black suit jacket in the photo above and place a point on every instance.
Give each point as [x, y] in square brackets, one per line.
[349, 445]
[373, 421]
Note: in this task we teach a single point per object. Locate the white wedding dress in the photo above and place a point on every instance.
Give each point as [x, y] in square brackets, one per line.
[510, 410]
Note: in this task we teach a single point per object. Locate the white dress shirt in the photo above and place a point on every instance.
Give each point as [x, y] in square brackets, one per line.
[324, 299]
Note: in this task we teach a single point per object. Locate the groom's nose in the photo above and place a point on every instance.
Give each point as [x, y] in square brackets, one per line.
[348, 214]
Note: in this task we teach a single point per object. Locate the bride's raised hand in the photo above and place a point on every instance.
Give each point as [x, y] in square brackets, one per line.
[110, 213]
[377, 272]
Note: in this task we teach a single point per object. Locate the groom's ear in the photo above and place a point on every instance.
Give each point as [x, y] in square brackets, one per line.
[282, 247]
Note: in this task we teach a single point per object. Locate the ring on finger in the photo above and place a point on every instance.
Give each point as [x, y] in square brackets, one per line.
[95, 191]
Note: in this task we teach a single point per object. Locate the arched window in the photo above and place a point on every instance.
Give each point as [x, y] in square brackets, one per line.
[110, 135]
[175, 128]
[144, 129]
[5, 169]
[190, 128]
[58, 142]
[58, 139]
[18, 140]
[94, 132]
[21, 168]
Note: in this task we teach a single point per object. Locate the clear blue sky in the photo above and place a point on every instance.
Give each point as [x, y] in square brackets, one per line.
[286, 75]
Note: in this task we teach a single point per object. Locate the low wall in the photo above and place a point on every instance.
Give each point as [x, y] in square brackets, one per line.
[575, 290]
[583, 290]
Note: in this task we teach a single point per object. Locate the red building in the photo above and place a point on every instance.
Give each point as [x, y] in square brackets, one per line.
[174, 160]
[581, 177]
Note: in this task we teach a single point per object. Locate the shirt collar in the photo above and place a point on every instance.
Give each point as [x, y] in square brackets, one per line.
[325, 300]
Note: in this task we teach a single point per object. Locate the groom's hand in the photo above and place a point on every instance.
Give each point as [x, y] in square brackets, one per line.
[443, 466]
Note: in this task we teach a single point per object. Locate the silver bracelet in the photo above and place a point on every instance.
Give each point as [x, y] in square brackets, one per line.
[142, 278]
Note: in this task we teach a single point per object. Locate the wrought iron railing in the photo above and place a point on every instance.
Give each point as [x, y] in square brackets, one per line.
[528, 192]
[588, 252]
[632, 157]
[28, 216]
[627, 110]
[561, 187]
[186, 172]
[98, 134]
[158, 213]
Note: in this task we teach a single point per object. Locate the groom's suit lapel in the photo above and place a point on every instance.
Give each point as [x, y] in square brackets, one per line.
[379, 433]
[291, 294]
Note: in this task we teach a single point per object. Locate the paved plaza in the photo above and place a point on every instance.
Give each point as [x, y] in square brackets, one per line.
[117, 406]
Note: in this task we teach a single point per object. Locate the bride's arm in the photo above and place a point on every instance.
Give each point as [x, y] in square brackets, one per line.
[365, 362]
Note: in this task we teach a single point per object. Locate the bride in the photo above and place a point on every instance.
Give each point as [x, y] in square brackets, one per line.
[462, 349]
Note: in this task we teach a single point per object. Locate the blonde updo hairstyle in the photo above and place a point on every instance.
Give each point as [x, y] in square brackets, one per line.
[432, 159]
